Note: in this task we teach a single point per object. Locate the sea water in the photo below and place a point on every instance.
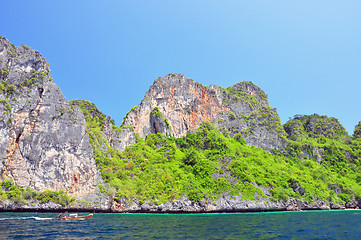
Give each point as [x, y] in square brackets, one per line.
[275, 225]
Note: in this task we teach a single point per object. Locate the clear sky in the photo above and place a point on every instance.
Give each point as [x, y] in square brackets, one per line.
[306, 55]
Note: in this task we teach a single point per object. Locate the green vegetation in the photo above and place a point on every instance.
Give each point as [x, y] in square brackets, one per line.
[25, 47]
[231, 116]
[162, 168]
[41, 75]
[29, 82]
[10, 89]
[241, 92]
[13, 52]
[266, 117]
[314, 126]
[4, 73]
[157, 112]
[10, 121]
[320, 157]
[323, 139]
[357, 132]
[7, 88]
[159, 115]
[11, 191]
[92, 115]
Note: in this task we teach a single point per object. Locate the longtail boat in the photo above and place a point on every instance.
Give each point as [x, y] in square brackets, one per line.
[74, 216]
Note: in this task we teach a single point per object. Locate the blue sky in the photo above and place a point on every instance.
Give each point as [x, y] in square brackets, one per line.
[306, 55]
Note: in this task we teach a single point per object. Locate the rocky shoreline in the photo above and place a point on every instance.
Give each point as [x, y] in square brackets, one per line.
[183, 206]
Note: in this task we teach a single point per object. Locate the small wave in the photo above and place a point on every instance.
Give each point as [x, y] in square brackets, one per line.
[15, 218]
[42, 219]
[23, 218]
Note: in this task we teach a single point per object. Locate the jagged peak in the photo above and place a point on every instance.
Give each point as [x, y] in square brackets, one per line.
[4, 42]
[172, 79]
[244, 86]
[31, 66]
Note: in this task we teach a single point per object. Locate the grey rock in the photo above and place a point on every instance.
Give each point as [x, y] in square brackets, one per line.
[336, 188]
[297, 188]
[336, 206]
[185, 104]
[228, 203]
[353, 204]
[43, 141]
[118, 139]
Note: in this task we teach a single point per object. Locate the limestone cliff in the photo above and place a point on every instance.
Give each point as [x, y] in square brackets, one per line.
[43, 141]
[118, 138]
[175, 105]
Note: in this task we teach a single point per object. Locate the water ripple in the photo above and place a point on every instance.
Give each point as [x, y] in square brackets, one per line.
[287, 225]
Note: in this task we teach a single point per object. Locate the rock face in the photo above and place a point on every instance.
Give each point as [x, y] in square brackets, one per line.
[227, 203]
[118, 138]
[43, 141]
[175, 105]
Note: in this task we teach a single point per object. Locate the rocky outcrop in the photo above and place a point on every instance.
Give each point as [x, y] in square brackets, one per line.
[118, 138]
[175, 105]
[314, 126]
[321, 129]
[32, 206]
[181, 101]
[43, 141]
[227, 203]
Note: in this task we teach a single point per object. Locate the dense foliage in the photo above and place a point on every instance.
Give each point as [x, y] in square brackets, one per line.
[357, 132]
[240, 91]
[90, 111]
[206, 163]
[313, 126]
[11, 191]
[323, 140]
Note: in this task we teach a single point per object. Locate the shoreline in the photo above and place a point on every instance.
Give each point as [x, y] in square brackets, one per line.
[225, 204]
[80, 210]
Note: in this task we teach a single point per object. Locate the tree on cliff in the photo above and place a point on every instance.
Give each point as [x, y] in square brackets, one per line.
[357, 132]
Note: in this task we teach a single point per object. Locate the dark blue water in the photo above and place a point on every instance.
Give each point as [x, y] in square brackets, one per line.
[283, 225]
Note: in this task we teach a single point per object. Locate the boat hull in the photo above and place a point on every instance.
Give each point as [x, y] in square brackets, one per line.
[75, 217]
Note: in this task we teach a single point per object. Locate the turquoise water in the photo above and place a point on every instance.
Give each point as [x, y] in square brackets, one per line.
[279, 225]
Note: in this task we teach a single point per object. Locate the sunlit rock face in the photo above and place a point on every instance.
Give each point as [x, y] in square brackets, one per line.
[176, 105]
[43, 143]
